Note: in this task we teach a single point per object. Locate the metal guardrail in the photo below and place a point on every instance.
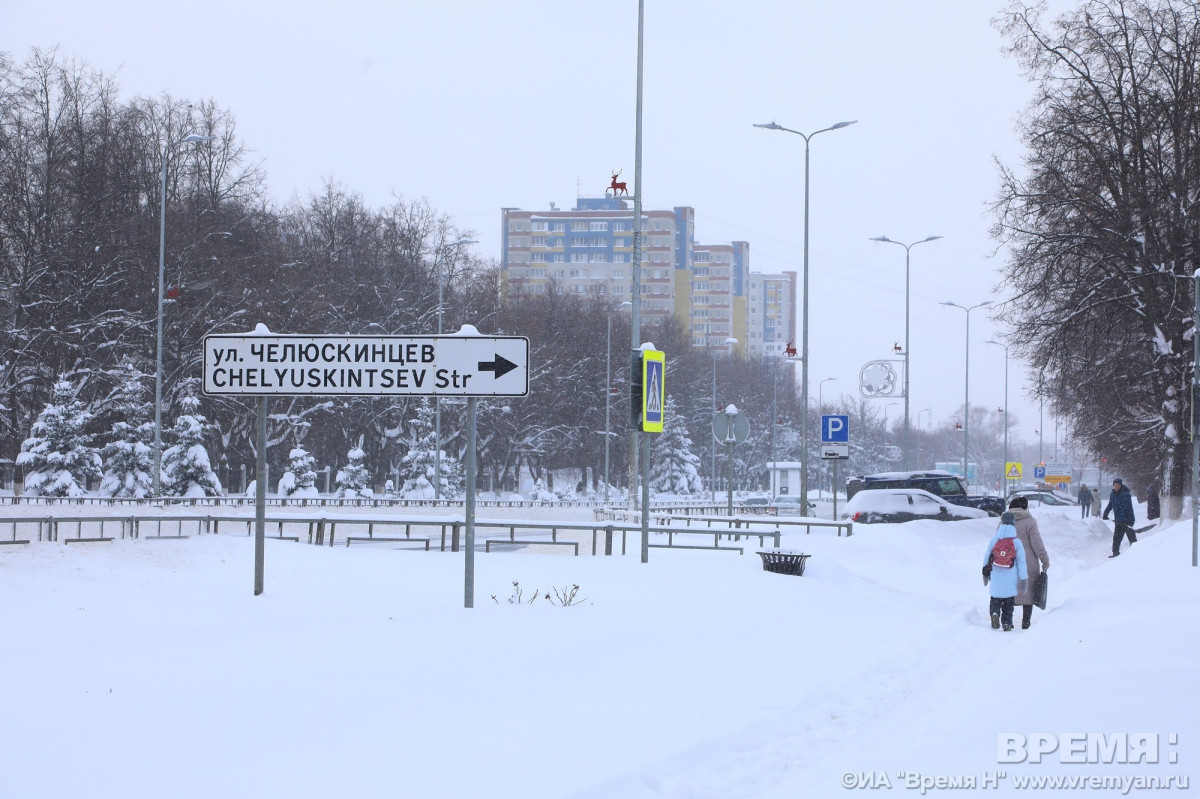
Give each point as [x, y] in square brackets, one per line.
[319, 530]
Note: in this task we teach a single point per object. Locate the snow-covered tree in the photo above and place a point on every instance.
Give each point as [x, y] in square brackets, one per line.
[419, 465]
[300, 479]
[58, 457]
[129, 456]
[674, 468]
[186, 469]
[354, 480]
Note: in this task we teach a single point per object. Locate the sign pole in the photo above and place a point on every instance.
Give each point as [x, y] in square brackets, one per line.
[729, 442]
[469, 596]
[835, 486]
[260, 497]
[645, 497]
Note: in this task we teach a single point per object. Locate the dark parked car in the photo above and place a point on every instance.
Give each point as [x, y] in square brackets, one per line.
[942, 484]
[905, 505]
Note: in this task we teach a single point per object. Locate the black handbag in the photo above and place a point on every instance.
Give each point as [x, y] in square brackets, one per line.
[1040, 586]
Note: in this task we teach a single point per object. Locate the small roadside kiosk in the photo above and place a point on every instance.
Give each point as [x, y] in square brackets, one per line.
[785, 477]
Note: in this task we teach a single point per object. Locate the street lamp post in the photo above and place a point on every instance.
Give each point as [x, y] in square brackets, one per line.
[907, 317]
[967, 381]
[608, 390]
[158, 346]
[729, 342]
[1005, 346]
[437, 401]
[804, 313]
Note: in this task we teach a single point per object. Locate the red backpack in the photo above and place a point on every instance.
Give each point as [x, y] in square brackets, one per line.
[1004, 553]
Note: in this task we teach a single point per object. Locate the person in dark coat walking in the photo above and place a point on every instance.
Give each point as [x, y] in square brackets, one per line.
[1120, 504]
[1036, 559]
[1085, 501]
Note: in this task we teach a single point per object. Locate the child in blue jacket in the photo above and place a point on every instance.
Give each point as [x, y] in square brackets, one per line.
[1003, 581]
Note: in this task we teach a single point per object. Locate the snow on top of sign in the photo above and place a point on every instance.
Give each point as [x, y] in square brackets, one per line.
[259, 330]
[731, 410]
[648, 346]
[466, 330]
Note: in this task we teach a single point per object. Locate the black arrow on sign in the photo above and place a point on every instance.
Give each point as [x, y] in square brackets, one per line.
[501, 366]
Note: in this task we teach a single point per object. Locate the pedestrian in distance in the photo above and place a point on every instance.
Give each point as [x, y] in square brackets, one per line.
[1120, 504]
[1085, 501]
[1036, 559]
[1004, 569]
[1152, 507]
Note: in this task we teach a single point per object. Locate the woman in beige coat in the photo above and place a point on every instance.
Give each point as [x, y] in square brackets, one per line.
[1037, 561]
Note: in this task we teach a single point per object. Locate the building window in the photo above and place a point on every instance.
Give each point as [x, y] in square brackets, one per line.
[620, 226]
[538, 258]
[579, 225]
[539, 226]
[597, 226]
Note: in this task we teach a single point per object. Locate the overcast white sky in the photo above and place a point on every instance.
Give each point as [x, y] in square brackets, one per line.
[479, 105]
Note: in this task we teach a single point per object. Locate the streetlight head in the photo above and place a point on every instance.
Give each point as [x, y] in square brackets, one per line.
[731, 341]
[880, 238]
[768, 125]
[931, 238]
[195, 137]
[841, 125]
[626, 304]
[464, 242]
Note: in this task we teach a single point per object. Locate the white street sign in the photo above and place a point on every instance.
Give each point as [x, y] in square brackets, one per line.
[462, 366]
[835, 451]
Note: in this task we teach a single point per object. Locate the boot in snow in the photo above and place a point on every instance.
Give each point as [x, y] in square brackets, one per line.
[995, 621]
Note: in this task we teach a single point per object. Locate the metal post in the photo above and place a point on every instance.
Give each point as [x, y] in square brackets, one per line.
[469, 509]
[1195, 437]
[158, 341]
[712, 472]
[804, 352]
[729, 442]
[645, 497]
[636, 272]
[158, 346]
[967, 382]
[607, 399]
[835, 462]
[260, 498]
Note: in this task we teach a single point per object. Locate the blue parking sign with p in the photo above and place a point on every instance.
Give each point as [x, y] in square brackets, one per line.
[835, 429]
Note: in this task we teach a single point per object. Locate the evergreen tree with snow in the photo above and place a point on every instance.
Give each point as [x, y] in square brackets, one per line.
[674, 468]
[418, 469]
[354, 480]
[300, 479]
[58, 458]
[129, 456]
[186, 468]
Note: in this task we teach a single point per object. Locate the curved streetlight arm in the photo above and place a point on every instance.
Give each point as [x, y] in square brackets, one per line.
[806, 136]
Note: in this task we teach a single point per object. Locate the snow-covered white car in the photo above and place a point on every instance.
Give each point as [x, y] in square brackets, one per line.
[905, 505]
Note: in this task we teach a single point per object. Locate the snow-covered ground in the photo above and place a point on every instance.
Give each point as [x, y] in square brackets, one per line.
[147, 668]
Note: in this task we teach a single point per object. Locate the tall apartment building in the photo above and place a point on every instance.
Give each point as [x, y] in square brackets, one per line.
[771, 320]
[589, 249]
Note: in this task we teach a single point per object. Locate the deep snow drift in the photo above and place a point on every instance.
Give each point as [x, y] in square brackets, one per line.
[147, 668]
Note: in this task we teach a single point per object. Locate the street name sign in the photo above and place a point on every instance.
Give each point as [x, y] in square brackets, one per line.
[290, 365]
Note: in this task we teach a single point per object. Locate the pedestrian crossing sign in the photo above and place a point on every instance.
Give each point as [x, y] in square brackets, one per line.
[1012, 470]
[654, 392]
